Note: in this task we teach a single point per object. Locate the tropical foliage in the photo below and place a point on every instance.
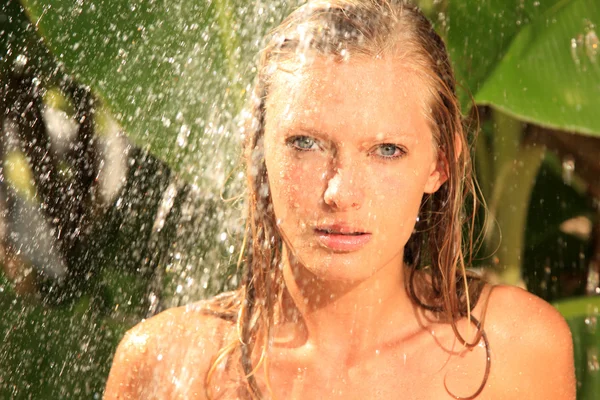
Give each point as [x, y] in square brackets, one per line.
[120, 129]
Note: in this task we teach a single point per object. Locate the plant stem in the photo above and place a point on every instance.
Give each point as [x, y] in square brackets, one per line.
[516, 167]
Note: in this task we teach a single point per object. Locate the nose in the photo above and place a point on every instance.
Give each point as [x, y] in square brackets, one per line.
[343, 191]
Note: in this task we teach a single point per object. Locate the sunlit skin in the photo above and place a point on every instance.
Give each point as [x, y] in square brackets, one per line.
[346, 148]
[363, 125]
[349, 148]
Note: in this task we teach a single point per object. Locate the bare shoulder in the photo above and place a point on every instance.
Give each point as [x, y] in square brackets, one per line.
[531, 346]
[167, 354]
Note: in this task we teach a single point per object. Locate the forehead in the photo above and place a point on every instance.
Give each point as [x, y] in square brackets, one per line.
[370, 95]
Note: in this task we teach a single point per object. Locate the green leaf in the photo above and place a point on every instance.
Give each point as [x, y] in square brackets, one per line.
[54, 353]
[540, 64]
[173, 72]
[579, 307]
[581, 314]
[20, 46]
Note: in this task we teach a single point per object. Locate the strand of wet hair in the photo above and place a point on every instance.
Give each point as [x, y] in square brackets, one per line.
[488, 363]
[481, 336]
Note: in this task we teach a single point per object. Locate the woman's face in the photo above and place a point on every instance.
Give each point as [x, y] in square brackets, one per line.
[349, 155]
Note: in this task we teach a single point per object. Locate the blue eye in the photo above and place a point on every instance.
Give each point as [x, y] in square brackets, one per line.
[303, 143]
[388, 150]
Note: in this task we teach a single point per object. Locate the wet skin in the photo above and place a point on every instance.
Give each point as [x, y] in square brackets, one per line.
[349, 149]
[350, 153]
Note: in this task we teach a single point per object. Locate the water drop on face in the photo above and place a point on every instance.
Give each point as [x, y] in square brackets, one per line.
[345, 55]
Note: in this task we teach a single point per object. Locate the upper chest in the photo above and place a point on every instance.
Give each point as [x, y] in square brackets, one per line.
[420, 371]
[428, 368]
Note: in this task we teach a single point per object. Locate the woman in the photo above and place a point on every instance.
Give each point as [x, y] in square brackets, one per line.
[355, 284]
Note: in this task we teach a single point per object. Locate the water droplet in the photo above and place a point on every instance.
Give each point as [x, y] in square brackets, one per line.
[547, 270]
[165, 207]
[592, 359]
[576, 44]
[592, 45]
[568, 166]
[591, 321]
[20, 63]
[182, 137]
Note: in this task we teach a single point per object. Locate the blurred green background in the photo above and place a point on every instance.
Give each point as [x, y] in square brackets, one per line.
[119, 189]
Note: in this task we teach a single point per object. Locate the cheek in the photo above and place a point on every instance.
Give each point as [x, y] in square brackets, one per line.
[295, 185]
[397, 188]
[397, 196]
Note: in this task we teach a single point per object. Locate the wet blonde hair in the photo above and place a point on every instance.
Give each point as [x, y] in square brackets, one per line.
[442, 242]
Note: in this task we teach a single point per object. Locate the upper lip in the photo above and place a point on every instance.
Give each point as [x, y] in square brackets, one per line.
[340, 228]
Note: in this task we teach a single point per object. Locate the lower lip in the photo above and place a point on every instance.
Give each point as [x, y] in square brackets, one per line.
[343, 243]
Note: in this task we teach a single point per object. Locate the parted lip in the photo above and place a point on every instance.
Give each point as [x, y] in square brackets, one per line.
[340, 229]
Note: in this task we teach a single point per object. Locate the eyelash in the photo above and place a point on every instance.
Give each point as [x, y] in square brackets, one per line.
[398, 153]
[293, 143]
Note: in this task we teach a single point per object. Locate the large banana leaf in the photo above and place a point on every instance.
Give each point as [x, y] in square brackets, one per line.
[582, 316]
[172, 72]
[538, 61]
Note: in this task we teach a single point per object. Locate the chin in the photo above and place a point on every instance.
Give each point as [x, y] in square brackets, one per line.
[338, 267]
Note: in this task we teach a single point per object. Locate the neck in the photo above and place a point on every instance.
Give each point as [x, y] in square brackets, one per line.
[344, 317]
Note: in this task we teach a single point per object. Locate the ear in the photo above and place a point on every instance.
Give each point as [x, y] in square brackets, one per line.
[440, 169]
[438, 173]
